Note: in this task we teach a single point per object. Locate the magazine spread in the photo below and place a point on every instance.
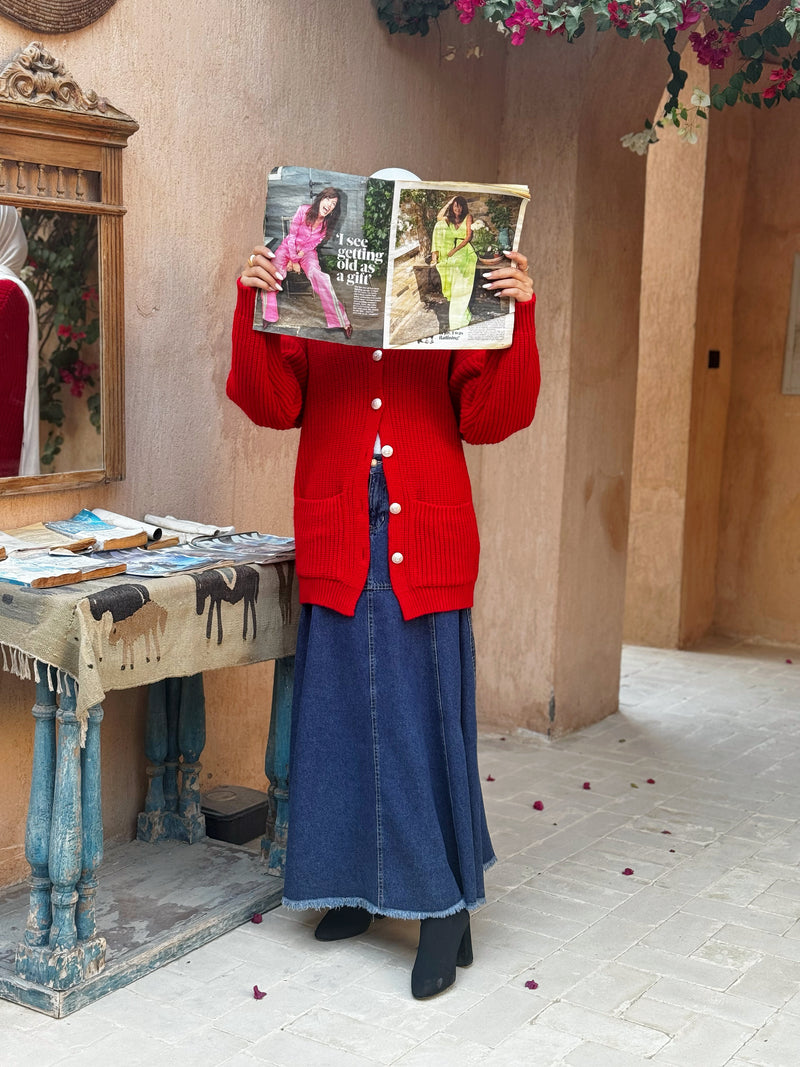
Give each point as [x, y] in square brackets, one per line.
[391, 264]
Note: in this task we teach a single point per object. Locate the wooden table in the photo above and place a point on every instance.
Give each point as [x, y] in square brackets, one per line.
[78, 642]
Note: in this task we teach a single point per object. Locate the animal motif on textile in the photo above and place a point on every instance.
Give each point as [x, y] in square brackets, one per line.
[231, 585]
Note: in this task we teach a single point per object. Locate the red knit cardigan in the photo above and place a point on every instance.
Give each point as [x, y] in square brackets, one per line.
[423, 403]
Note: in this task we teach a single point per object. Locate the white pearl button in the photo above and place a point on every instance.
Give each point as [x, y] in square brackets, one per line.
[395, 509]
[397, 557]
[387, 451]
[377, 355]
[376, 403]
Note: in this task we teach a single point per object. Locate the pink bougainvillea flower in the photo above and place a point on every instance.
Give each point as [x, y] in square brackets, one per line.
[788, 661]
[620, 14]
[522, 19]
[257, 994]
[256, 917]
[587, 785]
[780, 78]
[651, 781]
[628, 870]
[466, 9]
[64, 330]
[89, 294]
[713, 48]
[531, 984]
[489, 777]
[538, 805]
[691, 13]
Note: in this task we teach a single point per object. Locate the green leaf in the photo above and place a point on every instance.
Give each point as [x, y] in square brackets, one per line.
[731, 95]
[775, 36]
[753, 70]
[737, 81]
[751, 47]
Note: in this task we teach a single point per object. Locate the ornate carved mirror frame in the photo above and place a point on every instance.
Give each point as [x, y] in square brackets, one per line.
[61, 150]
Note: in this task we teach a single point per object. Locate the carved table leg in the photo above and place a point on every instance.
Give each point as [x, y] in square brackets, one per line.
[66, 960]
[276, 763]
[40, 809]
[92, 850]
[150, 825]
[176, 735]
[191, 742]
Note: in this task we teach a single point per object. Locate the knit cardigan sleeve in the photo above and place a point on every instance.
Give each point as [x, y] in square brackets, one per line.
[494, 391]
[268, 372]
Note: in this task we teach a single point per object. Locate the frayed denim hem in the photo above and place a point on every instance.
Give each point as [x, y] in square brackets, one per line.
[373, 909]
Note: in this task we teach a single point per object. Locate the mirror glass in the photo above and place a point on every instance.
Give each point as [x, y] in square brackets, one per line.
[61, 274]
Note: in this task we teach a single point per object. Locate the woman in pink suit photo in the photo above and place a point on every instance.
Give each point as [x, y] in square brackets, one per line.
[298, 252]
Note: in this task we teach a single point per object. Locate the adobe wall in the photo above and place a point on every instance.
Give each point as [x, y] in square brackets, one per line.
[758, 574]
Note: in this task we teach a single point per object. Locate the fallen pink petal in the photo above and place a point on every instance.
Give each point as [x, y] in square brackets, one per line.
[666, 831]
[587, 785]
[538, 805]
[531, 984]
[672, 850]
[257, 994]
[256, 918]
[628, 870]
[788, 661]
[489, 777]
[651, 781]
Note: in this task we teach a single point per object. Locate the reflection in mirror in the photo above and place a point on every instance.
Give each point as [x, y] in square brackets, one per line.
[61, 273]
[19, 405]
[61, 193]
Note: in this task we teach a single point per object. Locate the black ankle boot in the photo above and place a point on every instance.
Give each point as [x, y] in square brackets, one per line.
[340, 923]
[443, 944]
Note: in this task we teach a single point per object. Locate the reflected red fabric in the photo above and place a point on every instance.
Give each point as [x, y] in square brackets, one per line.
[14, 361]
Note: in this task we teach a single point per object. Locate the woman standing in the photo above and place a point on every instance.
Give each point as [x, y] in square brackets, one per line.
[19, 345]
[387, 816]
[455, 258]
[298, 251]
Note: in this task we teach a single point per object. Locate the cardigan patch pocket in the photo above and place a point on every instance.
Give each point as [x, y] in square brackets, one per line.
[319, 537]
[445, 544]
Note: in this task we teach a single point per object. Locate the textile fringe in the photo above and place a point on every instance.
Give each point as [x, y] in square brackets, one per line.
[17, 662]
[373, 909]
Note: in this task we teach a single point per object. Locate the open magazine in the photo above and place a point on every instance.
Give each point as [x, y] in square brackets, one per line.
[391, 264]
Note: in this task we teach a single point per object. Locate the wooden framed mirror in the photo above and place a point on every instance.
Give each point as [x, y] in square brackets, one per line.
[61, 170]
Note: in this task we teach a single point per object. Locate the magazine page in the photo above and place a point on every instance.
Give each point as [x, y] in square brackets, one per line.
[330, 236]
[446, 238]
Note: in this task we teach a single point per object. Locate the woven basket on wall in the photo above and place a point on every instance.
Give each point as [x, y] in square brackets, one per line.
[55, 16]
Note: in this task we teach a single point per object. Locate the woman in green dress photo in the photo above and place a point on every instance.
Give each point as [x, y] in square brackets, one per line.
[455, 259]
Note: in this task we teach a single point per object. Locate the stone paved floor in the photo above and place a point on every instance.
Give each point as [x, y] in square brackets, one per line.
[693, 960]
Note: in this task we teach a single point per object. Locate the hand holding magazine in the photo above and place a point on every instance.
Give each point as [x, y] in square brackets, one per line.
[391, 264]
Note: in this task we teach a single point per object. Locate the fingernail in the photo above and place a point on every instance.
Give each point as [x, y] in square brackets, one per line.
[488, 274]
[270, 254]
[486, 286]
[278, 288]
[280, 276]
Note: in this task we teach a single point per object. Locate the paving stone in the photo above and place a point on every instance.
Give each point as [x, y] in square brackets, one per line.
[710, 1042]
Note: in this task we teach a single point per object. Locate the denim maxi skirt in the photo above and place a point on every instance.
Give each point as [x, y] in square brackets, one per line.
[386, 811]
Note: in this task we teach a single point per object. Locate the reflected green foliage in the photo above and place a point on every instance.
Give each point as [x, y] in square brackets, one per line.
[62, 261]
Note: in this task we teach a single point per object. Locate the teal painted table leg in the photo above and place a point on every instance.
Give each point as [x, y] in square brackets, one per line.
[191, 742]
[67, 959]
[92, 852]
[175, 738]
[40, 810]
[276, 766]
